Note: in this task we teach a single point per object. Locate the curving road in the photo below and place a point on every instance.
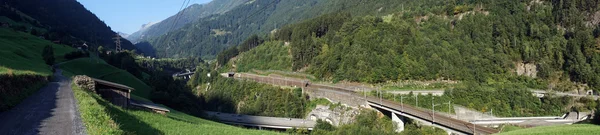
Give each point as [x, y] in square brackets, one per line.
[50, 111]
[262, 121]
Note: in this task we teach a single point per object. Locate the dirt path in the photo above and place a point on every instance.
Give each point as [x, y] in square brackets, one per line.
[50, 111]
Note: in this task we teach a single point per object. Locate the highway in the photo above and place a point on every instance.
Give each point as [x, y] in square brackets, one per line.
[564, 94]
[262, 121]
[422, 92]
[423, 114]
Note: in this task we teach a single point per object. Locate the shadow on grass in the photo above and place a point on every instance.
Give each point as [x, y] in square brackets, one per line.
[127, 122]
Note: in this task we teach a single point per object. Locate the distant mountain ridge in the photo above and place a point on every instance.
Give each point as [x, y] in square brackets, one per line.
[211, 35]
[190, 14]
[123, 34]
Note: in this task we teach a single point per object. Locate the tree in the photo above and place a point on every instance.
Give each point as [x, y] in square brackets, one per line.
[101, 50]
[48, 55]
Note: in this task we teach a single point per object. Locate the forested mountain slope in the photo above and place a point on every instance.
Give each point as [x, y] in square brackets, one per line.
[189, 15]
[213, 34]
[484, 44]
[68, 21]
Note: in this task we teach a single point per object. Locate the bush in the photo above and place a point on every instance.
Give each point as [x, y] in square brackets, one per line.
[15, 88]
[48, 55]
[76, 54]
[85, 83]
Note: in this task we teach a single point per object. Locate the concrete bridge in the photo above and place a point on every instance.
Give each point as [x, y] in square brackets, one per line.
[262, 121]
[185, 76]
[397, 111]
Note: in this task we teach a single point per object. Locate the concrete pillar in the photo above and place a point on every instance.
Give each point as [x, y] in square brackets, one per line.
[398, 122]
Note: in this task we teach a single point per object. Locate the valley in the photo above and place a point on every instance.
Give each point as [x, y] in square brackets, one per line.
[322, 67]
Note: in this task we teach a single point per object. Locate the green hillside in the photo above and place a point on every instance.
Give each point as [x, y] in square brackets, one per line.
[101, 118]
[575, 129]
[97, 68]
[212, 34]
[66, 21]
[479, 43]
[22, 53]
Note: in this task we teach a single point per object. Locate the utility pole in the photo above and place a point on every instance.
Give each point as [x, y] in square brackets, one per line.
[401, 98]
[432, 110]
[417, 100]
[380, 96]
[118, 42]
[474, 129]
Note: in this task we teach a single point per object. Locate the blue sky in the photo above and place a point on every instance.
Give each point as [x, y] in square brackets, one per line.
[129, 15]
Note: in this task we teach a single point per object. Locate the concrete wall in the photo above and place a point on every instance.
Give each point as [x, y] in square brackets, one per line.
[335, 96]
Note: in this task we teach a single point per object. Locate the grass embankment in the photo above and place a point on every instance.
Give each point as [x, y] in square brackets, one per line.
[22, 69]
[97, 68]
[508, 128]
[575, 129]
[101, 117]
[16, 88]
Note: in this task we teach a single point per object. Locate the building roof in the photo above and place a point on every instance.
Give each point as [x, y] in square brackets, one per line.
[112, 84]
[148, 105]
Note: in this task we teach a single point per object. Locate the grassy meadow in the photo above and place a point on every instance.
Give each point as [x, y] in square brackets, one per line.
[97, 68]
[100, 118]
[575, 129]
[22, 53]
[22, 66]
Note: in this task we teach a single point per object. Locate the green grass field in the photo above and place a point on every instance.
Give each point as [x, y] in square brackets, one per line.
[21, 53]
[575, 129]
[101, 117]
[97, 68]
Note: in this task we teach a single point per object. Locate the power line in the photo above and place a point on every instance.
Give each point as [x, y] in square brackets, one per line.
[177, 16]
[260, 10]
[186, 2]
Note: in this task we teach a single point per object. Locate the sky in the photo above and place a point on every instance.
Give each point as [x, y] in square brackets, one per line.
[128, 16]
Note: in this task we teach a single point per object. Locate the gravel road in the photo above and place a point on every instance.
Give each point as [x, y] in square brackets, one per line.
[50, 111]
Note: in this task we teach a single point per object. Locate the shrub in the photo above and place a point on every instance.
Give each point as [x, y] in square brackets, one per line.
[15, 88]
[85, 83]
[76, 54]
[48, 55]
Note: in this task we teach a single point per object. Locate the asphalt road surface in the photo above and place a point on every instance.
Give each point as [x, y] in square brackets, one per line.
[267, 122]
[50, 111]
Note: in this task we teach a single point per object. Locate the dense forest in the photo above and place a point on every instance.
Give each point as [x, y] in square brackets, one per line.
[481, 43]
[484, 44]
[170, 65]
[370, 123]
[213, 34]
[247, 97]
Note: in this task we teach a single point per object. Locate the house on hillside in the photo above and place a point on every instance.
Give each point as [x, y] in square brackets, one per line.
[120, 95]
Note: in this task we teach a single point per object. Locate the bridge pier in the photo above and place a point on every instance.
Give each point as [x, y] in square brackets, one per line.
[398, 121]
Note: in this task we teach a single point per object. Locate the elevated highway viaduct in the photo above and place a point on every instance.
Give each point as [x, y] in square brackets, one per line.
[397, 111]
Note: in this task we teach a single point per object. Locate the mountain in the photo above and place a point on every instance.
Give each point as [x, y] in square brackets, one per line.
[496, 50]
[186, 16]
[123, 34]
[68, 21]
[213, 34]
